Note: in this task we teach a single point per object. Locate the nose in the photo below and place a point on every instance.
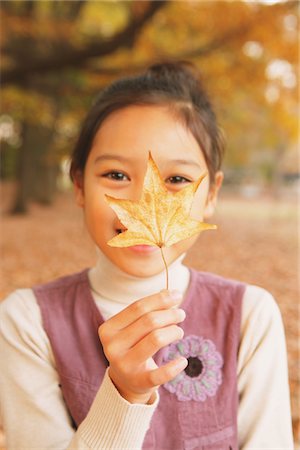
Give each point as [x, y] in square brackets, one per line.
[134, 192]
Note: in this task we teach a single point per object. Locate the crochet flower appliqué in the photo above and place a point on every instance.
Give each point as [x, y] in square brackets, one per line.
[202, 377]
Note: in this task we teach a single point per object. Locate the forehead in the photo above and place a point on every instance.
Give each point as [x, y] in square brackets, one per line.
[136, 130]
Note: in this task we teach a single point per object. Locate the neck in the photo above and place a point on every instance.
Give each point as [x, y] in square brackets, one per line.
[111, 283]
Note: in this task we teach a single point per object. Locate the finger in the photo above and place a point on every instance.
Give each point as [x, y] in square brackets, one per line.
[122, 341]
[160, 301]
[167, 372]
[153, 342]
[149, 322]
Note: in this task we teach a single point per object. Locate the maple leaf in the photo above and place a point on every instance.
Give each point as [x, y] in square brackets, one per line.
[160, 218]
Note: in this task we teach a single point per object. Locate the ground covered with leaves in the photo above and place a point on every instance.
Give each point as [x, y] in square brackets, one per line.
[256, 242]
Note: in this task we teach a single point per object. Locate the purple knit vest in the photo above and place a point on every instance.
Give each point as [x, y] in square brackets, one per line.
[198, 410]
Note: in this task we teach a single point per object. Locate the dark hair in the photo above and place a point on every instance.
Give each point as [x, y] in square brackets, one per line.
[175, 85]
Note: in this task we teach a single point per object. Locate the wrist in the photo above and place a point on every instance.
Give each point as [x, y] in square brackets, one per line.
[142, 399]
[146, 398]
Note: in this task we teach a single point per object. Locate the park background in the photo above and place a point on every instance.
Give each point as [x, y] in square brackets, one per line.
[57, 55]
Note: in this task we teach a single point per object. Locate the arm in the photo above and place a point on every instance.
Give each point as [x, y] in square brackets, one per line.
[123, 426]
[264, 417]
[32, 408]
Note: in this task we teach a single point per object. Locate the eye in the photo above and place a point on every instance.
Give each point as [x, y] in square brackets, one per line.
[177, 179]
[116, 176]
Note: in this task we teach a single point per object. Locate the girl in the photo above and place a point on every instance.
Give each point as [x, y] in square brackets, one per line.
[202, 366]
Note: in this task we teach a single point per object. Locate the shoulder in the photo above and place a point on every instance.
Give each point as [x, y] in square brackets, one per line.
[20, 305]
[256, 301]
[212, 280]
[259, 305]
[65, 282]
[21, 324]
[262, 330]
[212, 287]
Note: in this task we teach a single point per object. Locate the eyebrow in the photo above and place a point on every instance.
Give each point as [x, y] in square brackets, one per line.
[186, 162]
[110, 157]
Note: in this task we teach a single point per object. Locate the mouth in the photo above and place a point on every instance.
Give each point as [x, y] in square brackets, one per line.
[142, 249]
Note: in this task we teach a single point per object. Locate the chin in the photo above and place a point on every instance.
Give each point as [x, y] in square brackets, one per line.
[139, 264]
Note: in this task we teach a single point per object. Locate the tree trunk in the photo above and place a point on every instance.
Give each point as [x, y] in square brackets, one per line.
[24, 172]
[37, 173]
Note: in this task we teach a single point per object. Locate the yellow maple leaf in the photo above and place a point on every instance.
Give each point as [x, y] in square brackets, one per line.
[160, 218]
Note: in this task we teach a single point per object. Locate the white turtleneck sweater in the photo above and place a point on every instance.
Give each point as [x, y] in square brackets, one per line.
[35, 416]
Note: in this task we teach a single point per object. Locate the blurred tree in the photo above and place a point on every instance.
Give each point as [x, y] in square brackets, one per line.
[39, 40]
[57, 55]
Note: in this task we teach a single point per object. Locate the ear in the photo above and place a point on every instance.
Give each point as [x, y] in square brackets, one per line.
[78, 189]
[213, 195]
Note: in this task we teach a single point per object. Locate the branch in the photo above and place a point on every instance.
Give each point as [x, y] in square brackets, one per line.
[78, 57]
[200, 52]
[214, 45]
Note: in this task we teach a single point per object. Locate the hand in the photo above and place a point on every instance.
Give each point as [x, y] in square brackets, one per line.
[132, 337]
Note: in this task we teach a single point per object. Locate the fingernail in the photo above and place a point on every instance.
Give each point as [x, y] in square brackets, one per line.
[181, 314]
[176, 295]
[181, 363]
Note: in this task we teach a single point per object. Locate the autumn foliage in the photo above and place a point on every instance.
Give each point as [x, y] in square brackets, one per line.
[57, 55]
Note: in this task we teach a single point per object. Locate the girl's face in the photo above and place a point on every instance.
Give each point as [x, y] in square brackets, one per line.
[117, 165]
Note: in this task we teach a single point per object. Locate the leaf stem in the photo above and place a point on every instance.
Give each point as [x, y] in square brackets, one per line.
[166, 267]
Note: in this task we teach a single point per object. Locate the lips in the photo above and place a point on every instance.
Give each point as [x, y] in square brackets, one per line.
[143, 249]
[138, 248]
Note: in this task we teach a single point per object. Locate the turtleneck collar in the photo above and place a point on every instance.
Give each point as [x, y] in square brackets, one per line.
[110, 283]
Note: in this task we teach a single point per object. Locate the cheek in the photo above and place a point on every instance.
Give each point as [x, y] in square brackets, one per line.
[181, 247]
[97, 212]
[199, 203]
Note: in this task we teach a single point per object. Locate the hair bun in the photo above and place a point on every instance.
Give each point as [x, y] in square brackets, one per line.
[173, 70]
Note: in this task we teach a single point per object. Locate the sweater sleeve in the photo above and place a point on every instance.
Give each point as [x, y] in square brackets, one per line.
[264, 417]
[33, 412]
